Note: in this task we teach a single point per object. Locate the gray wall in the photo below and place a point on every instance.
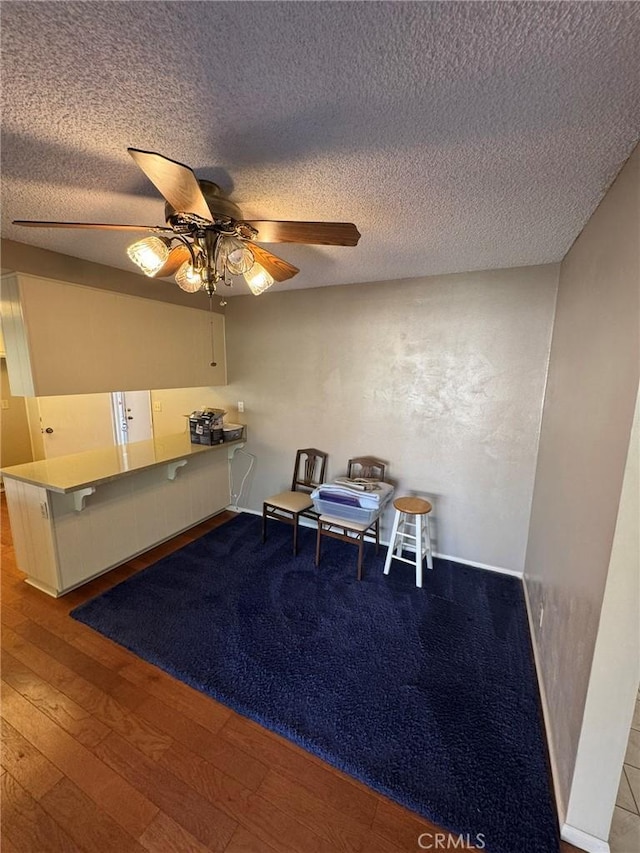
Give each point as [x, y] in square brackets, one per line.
[443, 377]
[588, 413]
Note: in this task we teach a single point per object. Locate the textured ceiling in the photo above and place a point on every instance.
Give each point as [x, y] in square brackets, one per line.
[457, 136]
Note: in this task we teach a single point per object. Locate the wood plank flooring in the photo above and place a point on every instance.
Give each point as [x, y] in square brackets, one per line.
[104, 753]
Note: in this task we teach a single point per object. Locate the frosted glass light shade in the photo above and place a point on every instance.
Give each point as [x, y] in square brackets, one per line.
[188, 278]
[258, 279]
[149, 254]
[235, 256]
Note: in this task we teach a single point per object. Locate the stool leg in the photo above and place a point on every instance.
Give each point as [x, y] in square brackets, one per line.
[400, 530]
[392, 542]
[419, 555]
[360, 550]
[428, 539]
[318, 543]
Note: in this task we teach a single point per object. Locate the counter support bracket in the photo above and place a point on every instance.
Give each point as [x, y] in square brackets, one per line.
[172, 468]
[79, 496]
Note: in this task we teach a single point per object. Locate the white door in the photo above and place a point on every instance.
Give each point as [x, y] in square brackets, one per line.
[132, 416]
[74, 423]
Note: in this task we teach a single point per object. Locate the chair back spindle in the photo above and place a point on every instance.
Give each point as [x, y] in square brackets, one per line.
[366, 466]
[309, 469]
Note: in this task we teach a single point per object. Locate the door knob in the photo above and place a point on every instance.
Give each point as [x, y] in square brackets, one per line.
[49, 430]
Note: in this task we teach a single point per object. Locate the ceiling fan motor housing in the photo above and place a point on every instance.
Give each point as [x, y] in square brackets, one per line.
[220, 207]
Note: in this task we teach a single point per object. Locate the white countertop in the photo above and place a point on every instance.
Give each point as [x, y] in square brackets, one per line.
[68, 473]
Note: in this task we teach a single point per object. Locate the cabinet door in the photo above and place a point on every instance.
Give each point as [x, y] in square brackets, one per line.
[32, 530]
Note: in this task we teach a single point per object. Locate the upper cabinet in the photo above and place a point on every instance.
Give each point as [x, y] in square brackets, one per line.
[65, 338]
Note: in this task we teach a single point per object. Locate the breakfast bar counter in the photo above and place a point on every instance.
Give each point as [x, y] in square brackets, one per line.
[75, 517]
[67, 473]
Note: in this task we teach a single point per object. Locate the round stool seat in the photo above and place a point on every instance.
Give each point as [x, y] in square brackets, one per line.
[412, 506]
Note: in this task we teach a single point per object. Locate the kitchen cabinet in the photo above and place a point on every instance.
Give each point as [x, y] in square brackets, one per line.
[64, 338]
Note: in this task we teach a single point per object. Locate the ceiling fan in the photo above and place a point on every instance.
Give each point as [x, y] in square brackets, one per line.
[206, 239]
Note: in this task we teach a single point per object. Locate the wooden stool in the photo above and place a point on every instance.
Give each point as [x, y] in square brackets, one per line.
[411, 523]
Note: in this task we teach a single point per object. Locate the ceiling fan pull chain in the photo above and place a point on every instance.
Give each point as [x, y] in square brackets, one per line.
[213, 354]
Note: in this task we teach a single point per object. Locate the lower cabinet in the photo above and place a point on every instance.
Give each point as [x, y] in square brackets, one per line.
[33, 534]
[60, 547]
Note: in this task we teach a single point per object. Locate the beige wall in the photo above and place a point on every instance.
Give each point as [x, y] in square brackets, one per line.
[175, 403]
[592, 384]
[615, 672]
[14, 426]
[443, 377]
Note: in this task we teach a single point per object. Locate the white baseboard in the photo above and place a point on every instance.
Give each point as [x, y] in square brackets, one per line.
[475, 565]
[583, 840]
[307, 522]
[234, 508]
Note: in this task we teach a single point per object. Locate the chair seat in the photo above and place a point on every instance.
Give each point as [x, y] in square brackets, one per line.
[291, 501]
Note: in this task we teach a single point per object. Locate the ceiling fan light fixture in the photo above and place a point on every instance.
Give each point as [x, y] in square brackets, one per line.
[214, 241]
[189, 278]
[150, 254]
[258, 279]
[235, 256]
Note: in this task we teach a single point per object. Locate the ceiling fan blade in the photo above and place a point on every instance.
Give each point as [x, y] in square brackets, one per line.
[175, 181]
[177, 257]
[278, 268]
[99, 225]
[321, 233]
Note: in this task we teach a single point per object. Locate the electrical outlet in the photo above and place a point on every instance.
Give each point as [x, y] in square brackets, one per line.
[241, 406]
[4, 404]
[541, 617]
[157, 406]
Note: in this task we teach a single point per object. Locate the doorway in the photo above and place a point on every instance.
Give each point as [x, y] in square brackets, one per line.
[131, 412]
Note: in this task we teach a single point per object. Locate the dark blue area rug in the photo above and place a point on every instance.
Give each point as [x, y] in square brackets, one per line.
[428, 696]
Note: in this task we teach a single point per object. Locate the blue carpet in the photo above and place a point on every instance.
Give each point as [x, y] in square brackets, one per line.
[429, 696]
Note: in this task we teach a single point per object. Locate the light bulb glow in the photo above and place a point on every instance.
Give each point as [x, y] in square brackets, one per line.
[149, 254]
[234, 255]
[258, 279]
[188, 278]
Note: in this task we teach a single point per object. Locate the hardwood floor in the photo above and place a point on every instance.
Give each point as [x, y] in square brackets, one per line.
[104, 753]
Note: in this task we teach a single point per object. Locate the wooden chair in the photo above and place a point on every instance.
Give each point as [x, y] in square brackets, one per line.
[354, 531]
[308, 474]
